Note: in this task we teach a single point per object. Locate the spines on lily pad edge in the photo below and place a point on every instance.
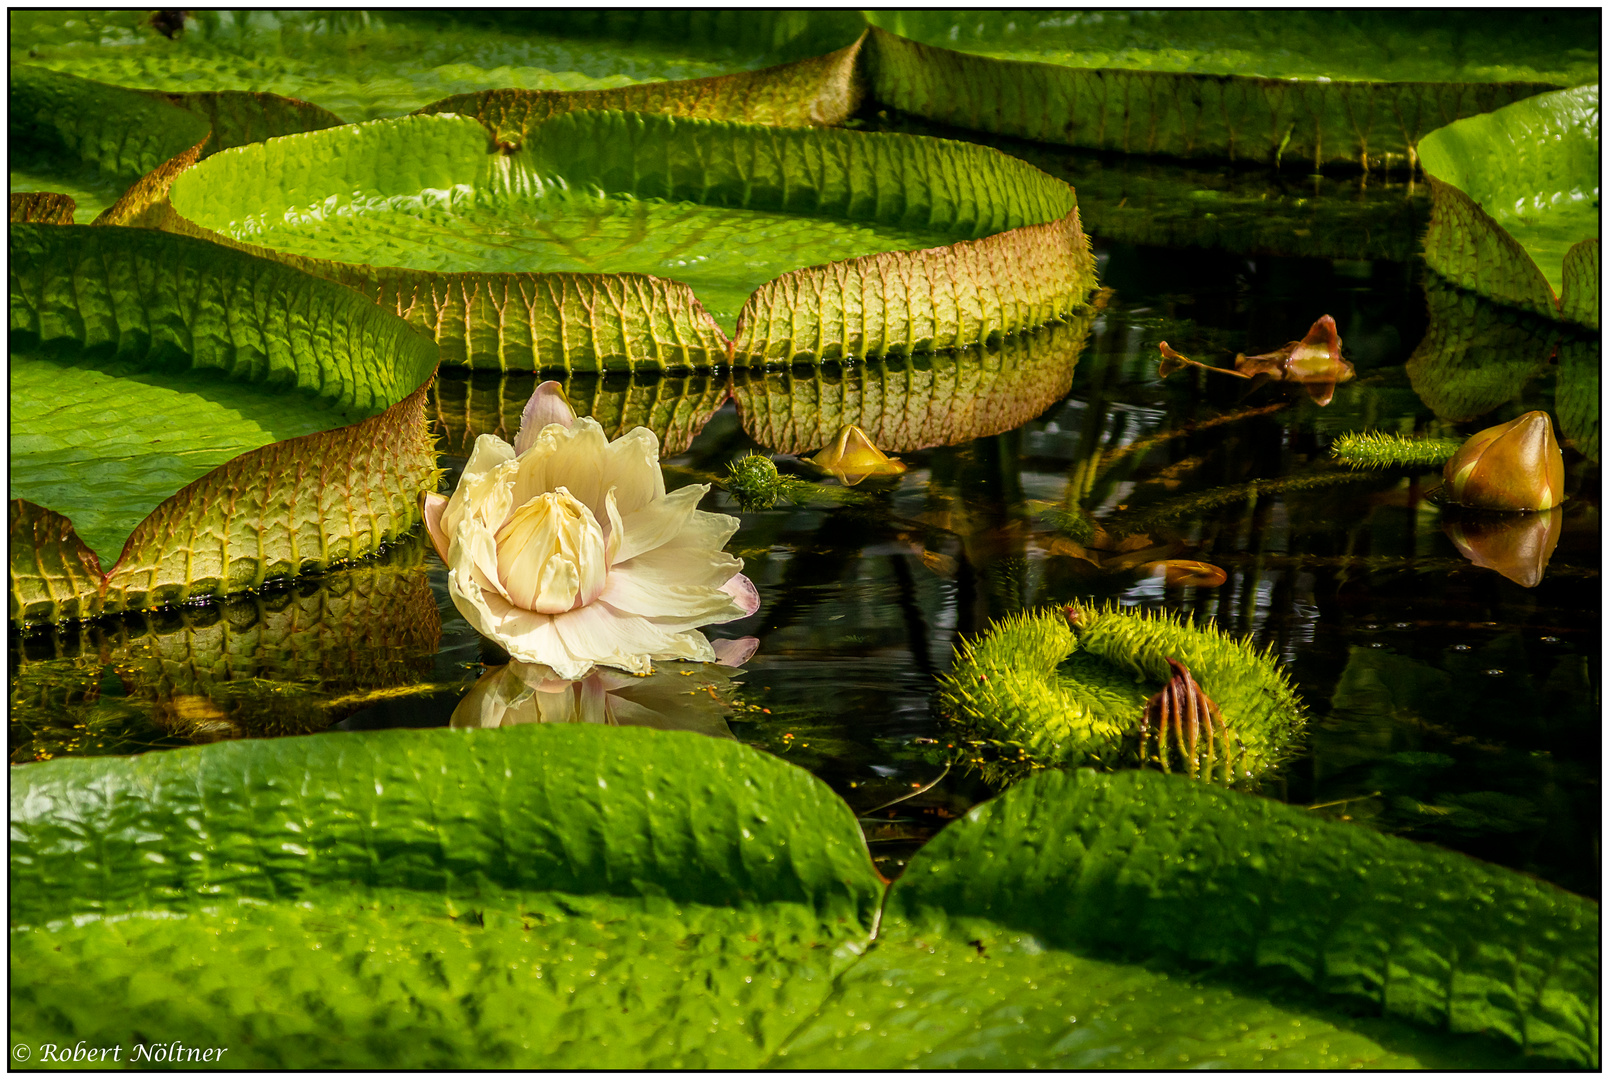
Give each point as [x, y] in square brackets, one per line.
[1383, 450]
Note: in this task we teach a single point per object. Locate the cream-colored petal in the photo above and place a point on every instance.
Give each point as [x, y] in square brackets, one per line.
[633, 470]
[575, 459]
[550, 554]
[527, 635]
[694, 605]
[623, 640]
[474, 552]
[488, 453]
[689, 566]
[658, 523]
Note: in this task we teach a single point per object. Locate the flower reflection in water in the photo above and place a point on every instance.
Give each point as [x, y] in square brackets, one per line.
[677, 697]
[1518, 546]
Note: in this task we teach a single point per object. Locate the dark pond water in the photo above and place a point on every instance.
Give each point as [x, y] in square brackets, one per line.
[1448, 703]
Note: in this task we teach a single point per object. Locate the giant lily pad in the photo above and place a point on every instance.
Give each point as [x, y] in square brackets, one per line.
[1514, 204]
[578, 896]
[1356, 87]
[559, 251]
[197, 421]
[364, 65]
[909, 403]
[91, 141]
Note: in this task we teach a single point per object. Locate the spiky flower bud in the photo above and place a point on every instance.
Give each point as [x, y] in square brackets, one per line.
[1513, 466]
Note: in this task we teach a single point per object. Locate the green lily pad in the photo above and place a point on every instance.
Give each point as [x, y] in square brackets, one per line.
[468, 404]
[285, 661]
[1355, 87]
[91, 140]
[189, 420]
[369, 64]
[42, 208]
[909, 403]
[570, 250]
[1514, 204]
[578, 896]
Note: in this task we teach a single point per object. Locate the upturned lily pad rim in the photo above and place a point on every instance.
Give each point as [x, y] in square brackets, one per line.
[1471, 247]
[67, 580]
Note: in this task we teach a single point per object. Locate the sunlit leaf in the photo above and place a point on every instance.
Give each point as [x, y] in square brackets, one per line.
[233, 421]
[1514, 204]
[577, 895]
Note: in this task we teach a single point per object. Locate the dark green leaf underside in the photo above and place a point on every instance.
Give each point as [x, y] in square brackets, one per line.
[365, 65]
[1352, 45]
[105, 444]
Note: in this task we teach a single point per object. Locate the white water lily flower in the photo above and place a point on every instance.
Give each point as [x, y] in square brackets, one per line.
[566, 550]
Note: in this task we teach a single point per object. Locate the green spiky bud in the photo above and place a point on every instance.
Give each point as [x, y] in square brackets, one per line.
[1381, 450]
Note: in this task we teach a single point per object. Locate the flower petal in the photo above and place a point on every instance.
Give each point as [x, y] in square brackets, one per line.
[547, 406]
[633, 470]
[489, 452]
[710, 568]
[604, 635]
[743, 591]
[734, 652]
[434, 506]
[573, 458]
[644, 594]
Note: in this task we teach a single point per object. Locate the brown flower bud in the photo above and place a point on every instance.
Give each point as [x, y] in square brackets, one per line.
[1513, 466]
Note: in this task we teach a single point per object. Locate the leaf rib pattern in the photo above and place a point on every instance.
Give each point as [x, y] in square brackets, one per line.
[166, 302]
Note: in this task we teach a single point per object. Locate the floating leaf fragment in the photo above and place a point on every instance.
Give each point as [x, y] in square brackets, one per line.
[1314, 362]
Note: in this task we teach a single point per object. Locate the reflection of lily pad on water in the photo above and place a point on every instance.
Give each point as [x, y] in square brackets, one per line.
[220, 420]
[913, 402]
[468, 404]
[1514, 204]
[628, 879]
[1476, 355]
[273, 663]
[538, 257]
[368, 64]
[1576, 398]
[1302, 86]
